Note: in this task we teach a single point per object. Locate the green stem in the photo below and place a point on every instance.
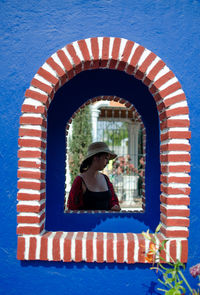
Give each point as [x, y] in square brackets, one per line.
[163, 282]
[170, 258]
[186, 282]
[179, 271]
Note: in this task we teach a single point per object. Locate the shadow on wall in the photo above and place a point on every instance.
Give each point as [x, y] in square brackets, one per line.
[67, 100]
[148, 287]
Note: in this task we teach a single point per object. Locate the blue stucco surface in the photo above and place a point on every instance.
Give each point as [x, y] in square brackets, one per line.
[32, 31]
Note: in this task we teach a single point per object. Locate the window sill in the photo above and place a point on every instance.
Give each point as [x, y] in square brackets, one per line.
[95, 247]
[128, 210]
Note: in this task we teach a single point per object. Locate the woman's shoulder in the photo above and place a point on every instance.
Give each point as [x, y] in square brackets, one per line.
[106, 177]
[77, 179]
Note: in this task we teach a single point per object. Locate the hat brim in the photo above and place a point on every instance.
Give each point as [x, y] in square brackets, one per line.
[107, 151]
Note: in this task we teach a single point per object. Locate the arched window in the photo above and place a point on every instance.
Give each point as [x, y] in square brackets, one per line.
[35, 240]
[122, 129]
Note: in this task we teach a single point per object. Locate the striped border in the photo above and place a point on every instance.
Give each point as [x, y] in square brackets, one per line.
[95, 247]
[111, 53]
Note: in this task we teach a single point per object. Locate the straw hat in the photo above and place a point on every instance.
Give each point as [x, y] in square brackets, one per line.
[99, 147]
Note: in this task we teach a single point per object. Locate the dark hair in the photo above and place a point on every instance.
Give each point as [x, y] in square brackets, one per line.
[85, 165]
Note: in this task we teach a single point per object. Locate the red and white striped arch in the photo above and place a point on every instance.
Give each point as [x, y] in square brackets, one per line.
[123, 55]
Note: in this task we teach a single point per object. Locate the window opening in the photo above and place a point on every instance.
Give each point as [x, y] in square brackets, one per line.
[122, 130]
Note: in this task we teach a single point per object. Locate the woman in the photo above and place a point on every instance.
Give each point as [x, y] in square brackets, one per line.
[92, 190]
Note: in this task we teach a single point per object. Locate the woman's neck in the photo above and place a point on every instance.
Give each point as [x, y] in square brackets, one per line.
[92, 172]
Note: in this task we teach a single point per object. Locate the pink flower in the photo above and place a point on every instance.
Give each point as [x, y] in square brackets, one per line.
[195, 270]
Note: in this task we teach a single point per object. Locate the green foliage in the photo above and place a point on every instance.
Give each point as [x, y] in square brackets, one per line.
[79, 141]
[114, 136]
[173, 279]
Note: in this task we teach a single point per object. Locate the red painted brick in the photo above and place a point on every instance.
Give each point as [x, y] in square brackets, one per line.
[29, 208]
[174, 222]
[128, 104]
[141, 254]
[122, 101]
[174, 123]
[89, 247]
[99, 247]
[28, 230]
[36, 95]
[31, 164]
[56, 246]
[30, 219]
[163, 251]
[120, 248]
[174, 233]
[162, 80]
[78, 247]
[34, 109]
[184, 251]
[31, 154]
[30, 174]
[105, 52]
[170, 89]
[175, 212]
[31, 143]
[31, 185]
[32, 132]
[134, 111]
[154, 71]
[174, 179]
[115, 53]
[76, 59]
[49, 77]
[61, 74]
[95, 53]
[131, 247]
[42, 86]
[175, 191]
[33, 121]
[172, 250]
[32, 248]
[88, 102]
[85, 52]
[44, 246]
[20, 248]
[30, 197]
[66, 63]
[175, 147]
[175, 158]
[174, 112]
[176, 168]
[110, 254]
[67, 247]
[172, 100]
[134, 60]
[125, 56]
[175, 201]
[175, 134]
[146, 63]
[161, 107]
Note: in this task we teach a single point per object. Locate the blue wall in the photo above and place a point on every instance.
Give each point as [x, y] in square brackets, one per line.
[32, 31]
[84, 86]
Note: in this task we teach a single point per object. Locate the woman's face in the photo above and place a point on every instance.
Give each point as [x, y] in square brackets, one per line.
[102, 161]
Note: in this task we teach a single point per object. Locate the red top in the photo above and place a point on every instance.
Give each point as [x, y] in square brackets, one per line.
[75, 200]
